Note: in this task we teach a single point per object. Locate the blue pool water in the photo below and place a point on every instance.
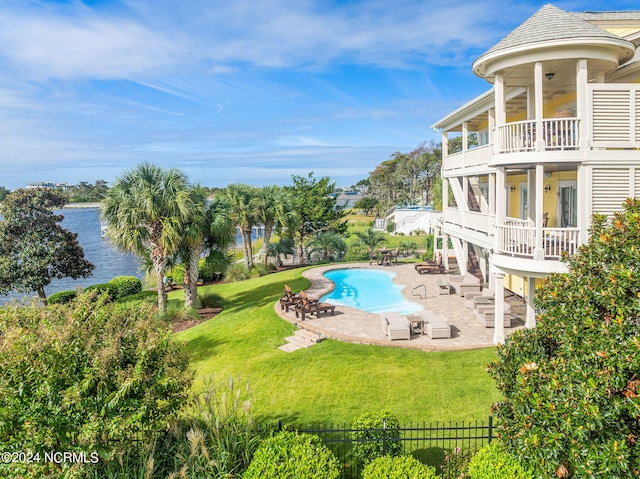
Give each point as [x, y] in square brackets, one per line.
[369, 290]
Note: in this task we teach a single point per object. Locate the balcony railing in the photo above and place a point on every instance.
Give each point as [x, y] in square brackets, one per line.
[520, 240]
[521, 136]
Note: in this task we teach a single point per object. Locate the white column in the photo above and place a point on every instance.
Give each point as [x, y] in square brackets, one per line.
[501, 114]
[445, 251]
[582, 102]
[465, 136]
[491, 127]
[531, 310]
[498, 333]
[492, 195]
[538, 251]
[539, 112]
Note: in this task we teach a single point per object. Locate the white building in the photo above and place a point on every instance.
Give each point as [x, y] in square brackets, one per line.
[558, 139]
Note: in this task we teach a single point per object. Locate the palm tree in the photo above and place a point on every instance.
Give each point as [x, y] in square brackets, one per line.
[328, 244]
[243, 206]
[209, 227]
[371, 239]
[273, 206]
[145, 211]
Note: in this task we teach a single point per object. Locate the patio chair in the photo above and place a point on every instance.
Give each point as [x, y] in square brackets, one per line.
[470, 297]
[310, 306]
[430, 267]
[437, 326]
[468, 283]
[395, 326]
[289, 299]
[487, 315]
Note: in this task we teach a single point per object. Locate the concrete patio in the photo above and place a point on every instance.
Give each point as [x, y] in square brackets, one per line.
[356, 326]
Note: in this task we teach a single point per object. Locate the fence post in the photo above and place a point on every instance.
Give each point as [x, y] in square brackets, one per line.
[384, 436]
[490, 429]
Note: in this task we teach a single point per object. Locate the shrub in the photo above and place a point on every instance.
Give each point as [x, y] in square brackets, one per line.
[357, 252]
[236, 272]
[207, 270]
[149, 297]
[85, 377]
[177, 274]
[291, 454]
[125, 286]
[493, 462]
[102, 288]
[375, 434]
[400, 467]
[61, 297]
[571, 385]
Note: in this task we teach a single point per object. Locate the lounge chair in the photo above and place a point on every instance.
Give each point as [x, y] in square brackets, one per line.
[437, 326]
[464, 284]
[487, 295]
[289, 299]
[430, 268]
[486, 315]
[395, 326]
[310, 306]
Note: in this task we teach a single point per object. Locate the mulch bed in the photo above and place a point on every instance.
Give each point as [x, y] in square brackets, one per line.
[205, 313]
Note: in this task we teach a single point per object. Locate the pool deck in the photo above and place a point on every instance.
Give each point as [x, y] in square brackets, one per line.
[356, 326]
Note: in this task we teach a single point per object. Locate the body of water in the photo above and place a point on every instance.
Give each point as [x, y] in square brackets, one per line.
[108, 261]
[370, 290]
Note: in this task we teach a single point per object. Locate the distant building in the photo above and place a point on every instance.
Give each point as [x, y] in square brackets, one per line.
[348, 198]
[40, 184]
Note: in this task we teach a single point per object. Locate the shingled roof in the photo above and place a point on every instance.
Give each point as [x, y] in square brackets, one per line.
[548, 24]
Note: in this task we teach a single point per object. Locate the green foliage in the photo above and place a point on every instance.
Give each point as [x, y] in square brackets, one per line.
[85, 377]
[177, 274]
[4, 192]
[148, 297]
[86, 192]
[375, 434]
[493, 462]
[357, 252]
[391, 227]
[62, 297]
[571, 403]
[292, 454]
[125, 286]
[315, 206]
[208, 270]
[456, 462]
[400, 467]
[236, 272]
[34, 248]
[103, 288]
[328, 246]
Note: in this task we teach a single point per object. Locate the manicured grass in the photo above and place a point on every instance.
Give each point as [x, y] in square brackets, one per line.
[331, 382]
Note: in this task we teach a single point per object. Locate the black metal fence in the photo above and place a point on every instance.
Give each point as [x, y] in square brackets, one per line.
[442, 445]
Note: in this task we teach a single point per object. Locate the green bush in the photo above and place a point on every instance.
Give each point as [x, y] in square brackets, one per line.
[101, 288]
[149, 297]
[375, 434]
[125, 286]
[293, 455]
[493, 462]
[177, 274]
[62, 297]
[85, 377]
[208, 270]
[571, 385]
[236, 272]
[400, 467]
[357, 252]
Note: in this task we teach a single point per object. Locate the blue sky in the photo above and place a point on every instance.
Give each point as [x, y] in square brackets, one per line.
[240, 91]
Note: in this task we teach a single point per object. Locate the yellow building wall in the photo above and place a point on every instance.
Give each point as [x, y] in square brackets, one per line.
[550, 199]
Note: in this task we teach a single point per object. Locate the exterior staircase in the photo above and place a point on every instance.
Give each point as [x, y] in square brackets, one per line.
[301, 339]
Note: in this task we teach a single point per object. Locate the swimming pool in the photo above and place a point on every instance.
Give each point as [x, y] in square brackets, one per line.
[370, 290]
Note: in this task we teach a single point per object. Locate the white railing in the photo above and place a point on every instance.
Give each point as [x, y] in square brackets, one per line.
[561, 133]
[520, 240]
[478, 156]
[517, 136]
[521, 136]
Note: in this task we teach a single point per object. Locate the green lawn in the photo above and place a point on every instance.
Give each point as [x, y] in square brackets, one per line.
[331, 382]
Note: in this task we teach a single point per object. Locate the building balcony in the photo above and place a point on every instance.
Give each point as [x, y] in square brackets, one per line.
[547, 135]
[518, 238]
